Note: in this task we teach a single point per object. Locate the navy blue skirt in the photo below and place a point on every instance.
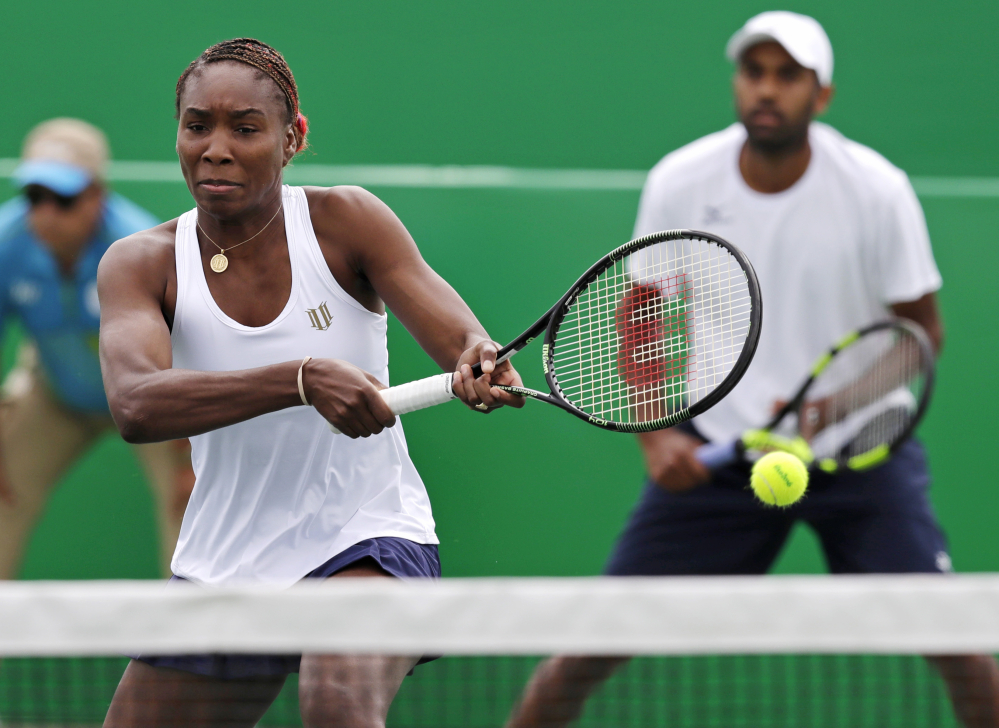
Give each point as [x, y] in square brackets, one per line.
[399, 557]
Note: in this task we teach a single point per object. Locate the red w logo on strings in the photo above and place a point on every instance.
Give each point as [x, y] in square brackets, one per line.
[655, 328]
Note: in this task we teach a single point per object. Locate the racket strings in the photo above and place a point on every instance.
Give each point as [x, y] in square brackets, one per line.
[654, 333]
[867, 397]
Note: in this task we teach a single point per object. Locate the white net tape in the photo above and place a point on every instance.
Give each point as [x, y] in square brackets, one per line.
[912, 614]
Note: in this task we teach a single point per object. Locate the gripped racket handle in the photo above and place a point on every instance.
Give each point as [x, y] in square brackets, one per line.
[714, 455]
[416, 395]
[428, 392]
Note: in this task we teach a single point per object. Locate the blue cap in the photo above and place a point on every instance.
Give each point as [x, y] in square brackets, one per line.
[60, 177]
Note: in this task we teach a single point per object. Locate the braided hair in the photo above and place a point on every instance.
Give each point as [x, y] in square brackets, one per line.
[265, 59]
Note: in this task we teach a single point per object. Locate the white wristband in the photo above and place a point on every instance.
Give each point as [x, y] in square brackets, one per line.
[301, 386]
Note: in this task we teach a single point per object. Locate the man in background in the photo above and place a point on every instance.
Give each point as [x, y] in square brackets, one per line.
[53, 407]
[838, 241]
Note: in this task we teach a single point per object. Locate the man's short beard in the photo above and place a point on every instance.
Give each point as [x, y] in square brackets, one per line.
[790, 140]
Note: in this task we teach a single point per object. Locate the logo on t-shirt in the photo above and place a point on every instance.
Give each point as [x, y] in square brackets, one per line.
[320, 317]
[714, 214]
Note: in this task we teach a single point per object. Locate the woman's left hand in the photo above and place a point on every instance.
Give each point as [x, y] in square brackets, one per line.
[480, 394]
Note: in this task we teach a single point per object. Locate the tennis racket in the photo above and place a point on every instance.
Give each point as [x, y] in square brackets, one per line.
[654, 333]
[863, 398]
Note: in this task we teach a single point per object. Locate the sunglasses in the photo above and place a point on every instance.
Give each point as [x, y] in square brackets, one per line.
[37, 195]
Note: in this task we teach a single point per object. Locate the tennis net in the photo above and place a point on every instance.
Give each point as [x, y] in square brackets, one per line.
[732, 652]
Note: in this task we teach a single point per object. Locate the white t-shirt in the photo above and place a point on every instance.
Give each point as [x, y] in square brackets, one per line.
[832, 252]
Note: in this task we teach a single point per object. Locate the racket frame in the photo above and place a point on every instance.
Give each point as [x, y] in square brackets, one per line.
[863, 461]
[550, 321]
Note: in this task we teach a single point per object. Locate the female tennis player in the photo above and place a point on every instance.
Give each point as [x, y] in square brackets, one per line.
[246, 324]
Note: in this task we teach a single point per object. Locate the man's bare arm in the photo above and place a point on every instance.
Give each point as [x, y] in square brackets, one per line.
[925, 312]
[150, 401]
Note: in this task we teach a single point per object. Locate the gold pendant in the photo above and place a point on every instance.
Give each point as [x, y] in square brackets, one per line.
[219, 263]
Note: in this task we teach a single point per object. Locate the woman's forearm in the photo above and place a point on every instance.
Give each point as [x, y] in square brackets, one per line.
[178, 403]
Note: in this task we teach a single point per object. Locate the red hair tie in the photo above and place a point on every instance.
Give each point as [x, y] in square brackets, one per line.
[302, 124]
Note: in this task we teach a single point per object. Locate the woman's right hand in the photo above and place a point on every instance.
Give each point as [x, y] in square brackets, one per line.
[347, 397]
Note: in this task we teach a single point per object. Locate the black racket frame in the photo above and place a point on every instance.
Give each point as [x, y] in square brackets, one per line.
[929, 372]
[550, 321]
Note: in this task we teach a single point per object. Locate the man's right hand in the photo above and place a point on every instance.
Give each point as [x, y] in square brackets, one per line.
[671, 462]
[346, 396]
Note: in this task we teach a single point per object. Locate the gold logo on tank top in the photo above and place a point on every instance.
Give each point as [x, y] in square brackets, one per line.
[320, 317]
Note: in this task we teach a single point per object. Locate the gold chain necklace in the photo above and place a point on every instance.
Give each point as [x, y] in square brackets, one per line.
[219, 261]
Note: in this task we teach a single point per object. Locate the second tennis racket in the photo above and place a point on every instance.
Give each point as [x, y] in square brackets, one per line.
[863, 398]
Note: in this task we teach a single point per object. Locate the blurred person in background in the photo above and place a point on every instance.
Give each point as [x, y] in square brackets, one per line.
[53, 407]
[839, 241]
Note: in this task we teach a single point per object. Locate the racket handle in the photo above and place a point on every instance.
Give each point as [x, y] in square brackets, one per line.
[715, 455]
[504, 354]
[416, 395]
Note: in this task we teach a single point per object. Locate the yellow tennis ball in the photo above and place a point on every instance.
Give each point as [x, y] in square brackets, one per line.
[779, 479]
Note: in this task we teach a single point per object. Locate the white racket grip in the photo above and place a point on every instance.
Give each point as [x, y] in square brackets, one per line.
[416, 395]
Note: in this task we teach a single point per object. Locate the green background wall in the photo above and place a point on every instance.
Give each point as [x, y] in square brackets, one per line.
[529, 84]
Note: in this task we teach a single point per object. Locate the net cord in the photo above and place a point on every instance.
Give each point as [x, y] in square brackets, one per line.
[896, 614]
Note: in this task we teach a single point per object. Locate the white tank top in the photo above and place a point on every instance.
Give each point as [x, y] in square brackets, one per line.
[278, 495]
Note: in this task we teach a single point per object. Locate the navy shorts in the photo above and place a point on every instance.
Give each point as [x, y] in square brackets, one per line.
[398, 556]
[879, 521]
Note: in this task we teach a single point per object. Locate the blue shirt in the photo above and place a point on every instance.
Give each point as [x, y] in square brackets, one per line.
[62, 314]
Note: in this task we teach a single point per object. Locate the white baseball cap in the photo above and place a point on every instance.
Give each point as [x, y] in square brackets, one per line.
[800, 35]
